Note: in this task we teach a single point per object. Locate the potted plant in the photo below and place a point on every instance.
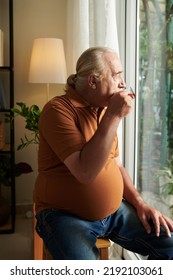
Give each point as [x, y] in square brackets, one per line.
[31, 116]
[5, 180]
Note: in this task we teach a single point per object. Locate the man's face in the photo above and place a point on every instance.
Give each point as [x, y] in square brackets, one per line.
[112, 81]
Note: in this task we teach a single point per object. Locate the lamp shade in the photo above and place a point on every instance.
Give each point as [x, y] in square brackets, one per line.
[47, 63]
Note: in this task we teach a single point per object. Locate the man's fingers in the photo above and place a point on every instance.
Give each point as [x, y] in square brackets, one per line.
[167, 225]
[146, 224]
[132, 95]
[164, 222]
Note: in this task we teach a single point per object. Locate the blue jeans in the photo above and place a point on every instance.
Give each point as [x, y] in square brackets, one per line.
[69, 237]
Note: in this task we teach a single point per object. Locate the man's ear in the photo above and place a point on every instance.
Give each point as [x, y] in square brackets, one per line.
[92, 81]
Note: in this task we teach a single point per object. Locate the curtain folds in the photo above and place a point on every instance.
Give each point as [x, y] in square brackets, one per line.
[89, 23]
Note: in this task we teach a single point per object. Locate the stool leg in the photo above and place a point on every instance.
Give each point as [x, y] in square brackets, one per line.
[38, 246]
[104, 254]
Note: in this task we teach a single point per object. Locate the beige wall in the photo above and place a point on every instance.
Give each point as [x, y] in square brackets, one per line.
[32, 19]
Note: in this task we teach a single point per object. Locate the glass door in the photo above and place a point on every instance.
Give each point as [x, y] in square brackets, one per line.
[148, 131]
[154, 168]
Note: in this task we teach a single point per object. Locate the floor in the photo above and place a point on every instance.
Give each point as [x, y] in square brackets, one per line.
[18, 245]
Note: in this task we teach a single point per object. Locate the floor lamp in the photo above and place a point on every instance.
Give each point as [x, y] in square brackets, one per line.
[47, 64]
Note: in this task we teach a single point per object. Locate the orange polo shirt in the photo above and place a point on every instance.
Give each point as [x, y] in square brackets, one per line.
[66, 124]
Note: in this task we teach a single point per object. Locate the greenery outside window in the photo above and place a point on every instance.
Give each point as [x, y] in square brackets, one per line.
[155, 113]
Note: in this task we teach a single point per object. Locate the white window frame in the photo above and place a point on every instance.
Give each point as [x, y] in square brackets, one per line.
[127, 29]
[128, 33]
[131, 78]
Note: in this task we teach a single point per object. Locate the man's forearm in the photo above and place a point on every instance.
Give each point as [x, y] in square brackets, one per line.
[87, 163]
[130, 192]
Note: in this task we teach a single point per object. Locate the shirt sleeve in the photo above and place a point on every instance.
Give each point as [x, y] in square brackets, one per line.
[59, 127]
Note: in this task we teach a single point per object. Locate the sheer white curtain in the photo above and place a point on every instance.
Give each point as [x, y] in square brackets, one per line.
[89, 23]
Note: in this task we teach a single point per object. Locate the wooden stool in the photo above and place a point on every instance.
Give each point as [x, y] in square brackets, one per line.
[102, 244]
[41, 252]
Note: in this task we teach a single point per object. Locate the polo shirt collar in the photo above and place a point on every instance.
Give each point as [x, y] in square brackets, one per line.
[79, 102]
[75, 98]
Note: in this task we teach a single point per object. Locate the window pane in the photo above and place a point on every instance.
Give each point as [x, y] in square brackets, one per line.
[155, 136]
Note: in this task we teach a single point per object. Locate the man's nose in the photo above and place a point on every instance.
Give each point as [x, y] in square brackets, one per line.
[122, 84]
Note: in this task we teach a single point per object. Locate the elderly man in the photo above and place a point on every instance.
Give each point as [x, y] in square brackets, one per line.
[82, 191]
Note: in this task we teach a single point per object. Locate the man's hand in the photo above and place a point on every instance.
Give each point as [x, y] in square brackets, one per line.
[146, 213]
[120, 104]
